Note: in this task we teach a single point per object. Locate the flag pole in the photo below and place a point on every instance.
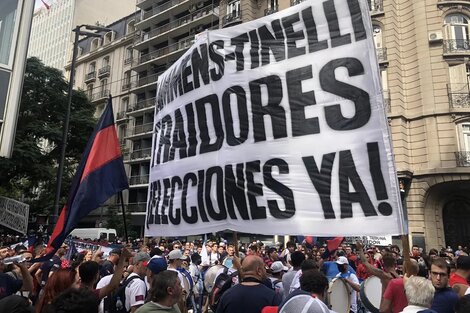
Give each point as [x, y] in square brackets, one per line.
[121, 199]
[235, 242]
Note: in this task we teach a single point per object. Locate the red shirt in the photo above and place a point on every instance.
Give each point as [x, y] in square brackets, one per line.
[395, 293]
[457, 279]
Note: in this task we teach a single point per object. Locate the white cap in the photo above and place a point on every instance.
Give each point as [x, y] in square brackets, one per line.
[277, 267]
[342, 260]
[176, 254]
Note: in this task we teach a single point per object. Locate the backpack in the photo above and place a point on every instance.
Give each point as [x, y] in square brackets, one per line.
[116, 301]
[222, 283]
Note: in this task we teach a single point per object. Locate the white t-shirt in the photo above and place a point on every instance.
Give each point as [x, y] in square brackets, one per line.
[295, 281]
[353, 293]
[135, 292]
[278, 286]
[101, 284]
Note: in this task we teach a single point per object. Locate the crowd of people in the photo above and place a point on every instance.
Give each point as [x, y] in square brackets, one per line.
[216, 276]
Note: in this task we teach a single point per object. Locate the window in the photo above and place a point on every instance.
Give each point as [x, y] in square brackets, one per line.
[456, 28]
[105, 62]
[272, 5]
[91, 67]
[8, 10]
[89, 90]
[465, 140]
[130, 27]
[95, 43]
[233, 9]
[377, 33]
[108, 37]
[104, 85]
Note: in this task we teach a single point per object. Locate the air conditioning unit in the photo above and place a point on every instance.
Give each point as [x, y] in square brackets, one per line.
[435, 36]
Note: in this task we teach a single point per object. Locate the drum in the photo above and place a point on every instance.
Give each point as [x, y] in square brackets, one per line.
[187, 281]
[339, 299]
[211, 274]
[371, 294]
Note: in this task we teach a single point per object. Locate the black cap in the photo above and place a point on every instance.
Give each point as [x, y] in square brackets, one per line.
[115, 251]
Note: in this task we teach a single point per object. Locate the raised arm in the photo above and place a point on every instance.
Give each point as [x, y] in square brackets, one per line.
[369, 267]
[117, 276]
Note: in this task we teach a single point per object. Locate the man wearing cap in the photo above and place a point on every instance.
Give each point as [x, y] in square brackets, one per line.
[351, 279]
[277, 270]
[175, 260]
[136, 289]
[107, 268]
[156, 265]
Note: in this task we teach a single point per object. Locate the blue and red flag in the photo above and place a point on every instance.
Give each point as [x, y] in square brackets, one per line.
[100, 175]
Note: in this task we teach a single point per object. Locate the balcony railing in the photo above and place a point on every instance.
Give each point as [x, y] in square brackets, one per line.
[104, 71]
[142, 81]
[138, 180]
[141, 154]
[381, 54]
[180, 45]
[137, 207]
[120, 115]
[462, 158]
[235, 16]
[141, 129]
[179, 22]
[376, 6]
[100, 95]
[272, 10]
[126, 85]
[147, 103]
[128, 60]
[456, 46]
[459, 96]
[90, 77]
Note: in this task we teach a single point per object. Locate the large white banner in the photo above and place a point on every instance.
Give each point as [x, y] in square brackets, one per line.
[14, 214]
[276, 126]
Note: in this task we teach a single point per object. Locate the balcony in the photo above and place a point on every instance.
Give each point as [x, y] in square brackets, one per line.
[175, 27]
[169, 8]
[462, 158]
[144, 81]
[128, 61]
[232, 18]
[140, 154]
[120, 115]
[459, 96]
[381, 55]
[104, 71]
[143, 104]
[90, 77]
[295, 2]
[376, 7]
[272, 10]
[103, 94]
[140, 130]
[126, 85]
[137, 207]
[456, 46]
[180, 45]
[138, 180]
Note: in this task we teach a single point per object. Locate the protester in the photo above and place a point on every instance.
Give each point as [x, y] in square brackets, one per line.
[61, 280]
[228, 260]
[419, 293]
[277, 270]
[136, 289]
[350, 278]
[394, 298]
[459, 279]
[107, 267]
[75, 301]
[165, 293]
[463, 305]
[444, 297]
[296, 260]
[15, 304]
[251, 295]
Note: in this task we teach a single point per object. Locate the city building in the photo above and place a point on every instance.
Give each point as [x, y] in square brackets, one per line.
[51, 32]
[423, 48]
[15, 26]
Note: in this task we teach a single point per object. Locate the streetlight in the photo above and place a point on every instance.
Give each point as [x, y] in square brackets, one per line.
[78, 32]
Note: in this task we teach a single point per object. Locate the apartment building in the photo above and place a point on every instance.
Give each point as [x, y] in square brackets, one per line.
[51, 32]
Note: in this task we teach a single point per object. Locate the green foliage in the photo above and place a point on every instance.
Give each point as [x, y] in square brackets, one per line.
[31, 172]
[116, 221]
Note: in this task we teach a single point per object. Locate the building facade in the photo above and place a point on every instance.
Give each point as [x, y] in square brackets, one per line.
[51, 32]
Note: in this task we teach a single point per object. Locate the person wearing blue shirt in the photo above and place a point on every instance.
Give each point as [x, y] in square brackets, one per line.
[444, 297]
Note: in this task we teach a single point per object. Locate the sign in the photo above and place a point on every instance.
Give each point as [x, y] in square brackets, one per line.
[14, 214]
[276, 126]
[382, 241]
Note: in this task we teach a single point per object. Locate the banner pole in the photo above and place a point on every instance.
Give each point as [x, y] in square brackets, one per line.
[121, 199]
[235, 242]
[405, 241]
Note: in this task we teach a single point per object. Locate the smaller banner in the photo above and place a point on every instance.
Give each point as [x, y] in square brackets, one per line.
[14, 214]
